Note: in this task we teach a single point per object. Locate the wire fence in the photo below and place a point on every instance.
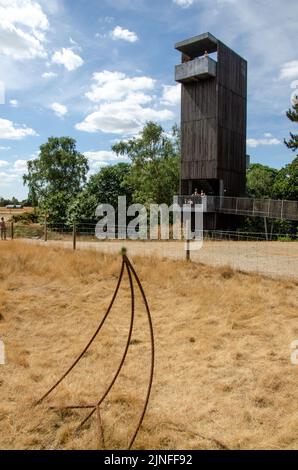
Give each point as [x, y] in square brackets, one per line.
[86, 231]
[244, 251]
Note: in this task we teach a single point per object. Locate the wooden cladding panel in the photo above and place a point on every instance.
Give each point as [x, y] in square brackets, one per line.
[199, 140]
[232, 103]
[234, 183]
[231, 70]
[231, 111]
[198, 170]
[231, 150]
[199, 100]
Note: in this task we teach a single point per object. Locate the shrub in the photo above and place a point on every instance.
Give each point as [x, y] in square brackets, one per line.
[25, 218]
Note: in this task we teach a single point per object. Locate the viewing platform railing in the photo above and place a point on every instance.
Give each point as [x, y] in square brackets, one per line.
[271, 208]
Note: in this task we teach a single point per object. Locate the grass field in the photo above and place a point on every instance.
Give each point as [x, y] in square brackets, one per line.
[223, 374]
[8, 213]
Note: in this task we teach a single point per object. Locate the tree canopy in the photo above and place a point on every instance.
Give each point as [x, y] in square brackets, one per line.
[56, 176]
[286, 185]
[260, 180]
[102, 187]
[286, 182]
[154, 171]
[292, 143]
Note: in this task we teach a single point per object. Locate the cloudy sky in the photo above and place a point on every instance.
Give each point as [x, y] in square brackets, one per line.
[97, 70]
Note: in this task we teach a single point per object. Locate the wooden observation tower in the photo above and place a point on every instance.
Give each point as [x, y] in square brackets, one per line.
[213, 120]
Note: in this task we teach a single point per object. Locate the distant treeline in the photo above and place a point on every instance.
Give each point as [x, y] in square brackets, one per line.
[14, 202]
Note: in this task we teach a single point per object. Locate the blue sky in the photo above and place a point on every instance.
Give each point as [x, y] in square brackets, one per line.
[97, 70]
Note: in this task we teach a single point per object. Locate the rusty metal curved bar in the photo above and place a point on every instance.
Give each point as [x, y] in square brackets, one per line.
[91, 340]
[132, 275]
[152, 351]
[125, 351]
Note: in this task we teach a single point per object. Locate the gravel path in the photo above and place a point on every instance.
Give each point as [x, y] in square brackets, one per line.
[276, 259]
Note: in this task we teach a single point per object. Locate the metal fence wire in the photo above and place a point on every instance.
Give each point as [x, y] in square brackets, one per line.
[87, 232]
[273, 254]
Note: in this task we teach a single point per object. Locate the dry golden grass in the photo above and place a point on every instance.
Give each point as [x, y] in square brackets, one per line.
[223, 373]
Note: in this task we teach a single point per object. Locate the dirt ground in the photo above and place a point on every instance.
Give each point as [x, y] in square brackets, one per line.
[275, 259]
[223, 376]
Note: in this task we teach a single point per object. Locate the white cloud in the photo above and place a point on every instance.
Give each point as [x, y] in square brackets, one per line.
[116, 85]
[184, 3]
[7, 178]
[68, 58]
[26, 12]
[74, 43]
[3, 163]
[123, 34]
[289, 70]
[122, 104]
[20, 165]
[5, 148]
[94, 166]
[2, 92]
[100, 35]
[122, 117]
[34, 155]
[106, 19]
[59, 109]
[8, 130]
[267, 140]
[53, 7]
[22, 27]
[14, 103]
[49, 75]
[171, 95]
[103, 156]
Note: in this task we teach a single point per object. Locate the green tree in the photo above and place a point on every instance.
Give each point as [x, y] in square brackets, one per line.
[286, 185]
[13, 201]
[56, 176]
[286, 182]
[260, 180]
[103, 187]
[154, 172]
[292, 143]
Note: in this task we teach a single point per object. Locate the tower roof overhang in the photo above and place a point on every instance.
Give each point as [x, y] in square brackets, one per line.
[197, 45]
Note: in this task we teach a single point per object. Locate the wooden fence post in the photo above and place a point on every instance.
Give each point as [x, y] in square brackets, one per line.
[11, 231]
[266, 228]
[74, 235]
[187, 241]
[282, 209]
[46, 228]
